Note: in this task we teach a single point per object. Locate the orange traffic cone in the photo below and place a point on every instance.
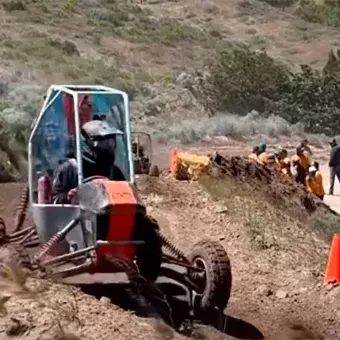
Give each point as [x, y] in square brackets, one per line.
[173, 161]
[333, 267]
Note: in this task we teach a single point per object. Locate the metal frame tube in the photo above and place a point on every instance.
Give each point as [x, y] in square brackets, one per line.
[76, 270]
[68, 256]
[21, 232]
[78, 136]
[26, 237]
[172, 274]
[173, 260]
[47, 103]
[118, 243]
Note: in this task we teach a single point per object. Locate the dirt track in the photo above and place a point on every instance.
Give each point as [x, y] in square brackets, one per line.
[276, 292]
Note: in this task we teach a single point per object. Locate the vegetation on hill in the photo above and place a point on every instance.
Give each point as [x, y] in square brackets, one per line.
[129, 46]
[241, 80]
[326, 12]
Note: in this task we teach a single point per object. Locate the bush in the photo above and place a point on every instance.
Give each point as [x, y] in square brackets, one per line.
[227, 125]
[327, 14]
[280, 3]
[14, 5]
[241, 80]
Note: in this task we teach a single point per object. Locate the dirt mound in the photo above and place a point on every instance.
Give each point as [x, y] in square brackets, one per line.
[279, 189]
[277, 282]
[55, 311]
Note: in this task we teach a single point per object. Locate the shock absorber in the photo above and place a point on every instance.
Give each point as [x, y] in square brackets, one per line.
[54, 240]
[21, 209]
[47, 247]
[172, 248]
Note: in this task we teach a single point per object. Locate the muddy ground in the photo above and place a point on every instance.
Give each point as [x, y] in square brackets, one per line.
[277, 290]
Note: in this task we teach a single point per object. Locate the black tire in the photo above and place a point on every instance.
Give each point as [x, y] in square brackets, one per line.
[154, 171]
[216, 286]
[149, 254]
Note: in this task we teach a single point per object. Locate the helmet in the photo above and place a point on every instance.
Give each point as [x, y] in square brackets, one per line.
[99, 141]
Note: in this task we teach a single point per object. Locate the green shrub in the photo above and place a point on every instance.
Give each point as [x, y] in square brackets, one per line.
[327, 14]
[280, 3]
[14, 5]
[241, 80]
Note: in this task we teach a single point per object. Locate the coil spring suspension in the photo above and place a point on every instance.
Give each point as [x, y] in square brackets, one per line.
[21, 209]
[47, 247]
[172, 248]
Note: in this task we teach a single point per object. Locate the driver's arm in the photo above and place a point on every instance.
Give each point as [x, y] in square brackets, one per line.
[64, 180]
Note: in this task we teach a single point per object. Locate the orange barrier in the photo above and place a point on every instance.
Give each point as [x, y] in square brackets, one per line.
[332, 274]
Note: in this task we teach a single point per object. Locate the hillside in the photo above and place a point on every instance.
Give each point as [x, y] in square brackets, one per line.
[148, 48]
[177, 60]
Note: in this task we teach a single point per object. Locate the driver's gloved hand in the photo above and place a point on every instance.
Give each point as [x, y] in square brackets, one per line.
[71, 194]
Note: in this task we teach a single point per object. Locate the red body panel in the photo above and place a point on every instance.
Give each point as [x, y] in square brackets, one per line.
[122, 218]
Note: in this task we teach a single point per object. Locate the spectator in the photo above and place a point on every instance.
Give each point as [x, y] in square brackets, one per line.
[334, 164]
[314, 182]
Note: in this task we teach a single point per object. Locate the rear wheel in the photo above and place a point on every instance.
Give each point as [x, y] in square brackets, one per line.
[149, 254]
[216, 280]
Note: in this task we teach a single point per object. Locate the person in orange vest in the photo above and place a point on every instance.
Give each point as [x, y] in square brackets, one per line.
[305, 158]
[254, 154]
[283, 162]
[314, 182]
[298, 171]
[264, 157]
[305, 147]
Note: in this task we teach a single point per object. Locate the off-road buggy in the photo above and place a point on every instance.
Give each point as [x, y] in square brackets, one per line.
[108, 232]
[142, 154]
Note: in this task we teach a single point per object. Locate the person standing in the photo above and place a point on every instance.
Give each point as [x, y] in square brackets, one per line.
[298, 171]
[334, 164]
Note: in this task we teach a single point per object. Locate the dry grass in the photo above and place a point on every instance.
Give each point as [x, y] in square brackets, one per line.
[228, 125]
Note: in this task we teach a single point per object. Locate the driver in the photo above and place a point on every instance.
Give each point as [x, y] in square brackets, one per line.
[98, 154]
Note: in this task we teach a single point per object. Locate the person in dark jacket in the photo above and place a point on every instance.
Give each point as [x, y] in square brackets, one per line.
[298, 171]
[334, 164]
[98, 155]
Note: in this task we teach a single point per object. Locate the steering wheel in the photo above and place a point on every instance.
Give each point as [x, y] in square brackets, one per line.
[89, 179]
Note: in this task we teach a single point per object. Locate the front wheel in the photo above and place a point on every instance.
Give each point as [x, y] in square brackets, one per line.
[216, 280]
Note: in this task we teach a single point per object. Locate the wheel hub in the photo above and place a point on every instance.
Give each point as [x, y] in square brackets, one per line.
[199, 277]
